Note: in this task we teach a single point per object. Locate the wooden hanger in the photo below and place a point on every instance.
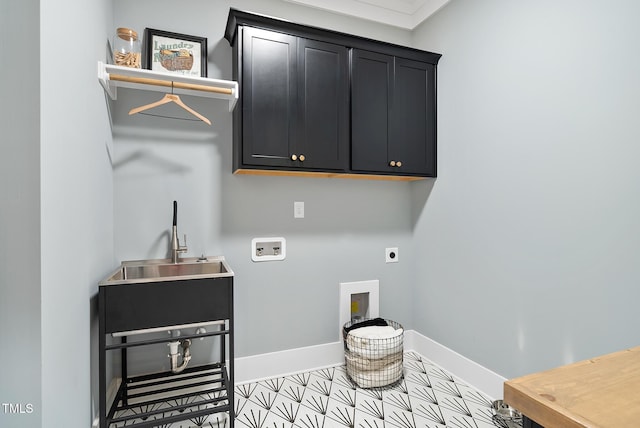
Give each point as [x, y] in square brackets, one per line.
[170, 98]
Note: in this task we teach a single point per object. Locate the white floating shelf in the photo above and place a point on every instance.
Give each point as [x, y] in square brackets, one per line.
[112, 77]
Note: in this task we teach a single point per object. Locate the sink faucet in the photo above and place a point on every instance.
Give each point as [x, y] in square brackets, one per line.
[176, 248]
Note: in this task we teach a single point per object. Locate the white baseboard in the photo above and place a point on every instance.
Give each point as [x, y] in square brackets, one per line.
[287, 362]
[461, 367]
[291, 361]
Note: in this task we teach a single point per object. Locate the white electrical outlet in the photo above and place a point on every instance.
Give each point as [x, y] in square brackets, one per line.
[298, 210]
[391, 255]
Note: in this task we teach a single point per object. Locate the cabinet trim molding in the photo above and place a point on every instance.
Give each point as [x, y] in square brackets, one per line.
[319, 174]
[241, 18]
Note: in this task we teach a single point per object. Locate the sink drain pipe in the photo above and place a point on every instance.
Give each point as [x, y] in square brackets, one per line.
[173, 355]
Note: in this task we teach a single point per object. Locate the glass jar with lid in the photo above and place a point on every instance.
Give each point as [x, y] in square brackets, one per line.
[126, 48]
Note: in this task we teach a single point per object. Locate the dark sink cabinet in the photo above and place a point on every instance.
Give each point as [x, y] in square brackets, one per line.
[319, 102]
[137, 314]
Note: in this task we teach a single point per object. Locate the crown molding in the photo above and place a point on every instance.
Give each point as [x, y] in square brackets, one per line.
[406, 14]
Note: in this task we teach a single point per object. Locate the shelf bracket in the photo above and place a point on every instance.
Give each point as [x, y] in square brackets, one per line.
[103, 78]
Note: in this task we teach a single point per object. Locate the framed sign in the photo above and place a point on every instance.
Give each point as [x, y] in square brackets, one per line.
[175, 53]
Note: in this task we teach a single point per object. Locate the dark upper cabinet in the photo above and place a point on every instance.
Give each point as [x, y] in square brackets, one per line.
[371, 95]
[294, 102]
[413, 117]
[323, 105]
[269, 97]
[314, 100]
[392, 115]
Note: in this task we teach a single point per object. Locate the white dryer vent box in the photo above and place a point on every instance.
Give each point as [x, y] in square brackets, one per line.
[268, 249]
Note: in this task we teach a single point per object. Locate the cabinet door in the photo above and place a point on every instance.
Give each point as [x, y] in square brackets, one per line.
[323, 102]
[268, 97]
[371, 95]
[412, 138]
[393, 115]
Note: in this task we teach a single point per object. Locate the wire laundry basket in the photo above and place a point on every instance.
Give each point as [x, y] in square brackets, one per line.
[373, 358]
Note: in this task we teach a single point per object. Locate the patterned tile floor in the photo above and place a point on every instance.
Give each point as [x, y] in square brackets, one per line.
[427, 397]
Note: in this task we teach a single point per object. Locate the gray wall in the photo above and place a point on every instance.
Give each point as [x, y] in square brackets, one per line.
[348, 223]
[531, 235]
[76, 204]
[20, 214]
[57, 213]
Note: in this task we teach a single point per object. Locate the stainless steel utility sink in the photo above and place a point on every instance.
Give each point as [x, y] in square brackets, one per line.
[148, 294]
[157, 270]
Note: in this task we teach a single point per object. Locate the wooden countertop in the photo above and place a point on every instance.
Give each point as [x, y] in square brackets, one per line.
[600, 392]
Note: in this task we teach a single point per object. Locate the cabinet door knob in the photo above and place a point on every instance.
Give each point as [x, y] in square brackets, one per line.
[398, 164]
[294, 157]
[301, 158]
[392, 163]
